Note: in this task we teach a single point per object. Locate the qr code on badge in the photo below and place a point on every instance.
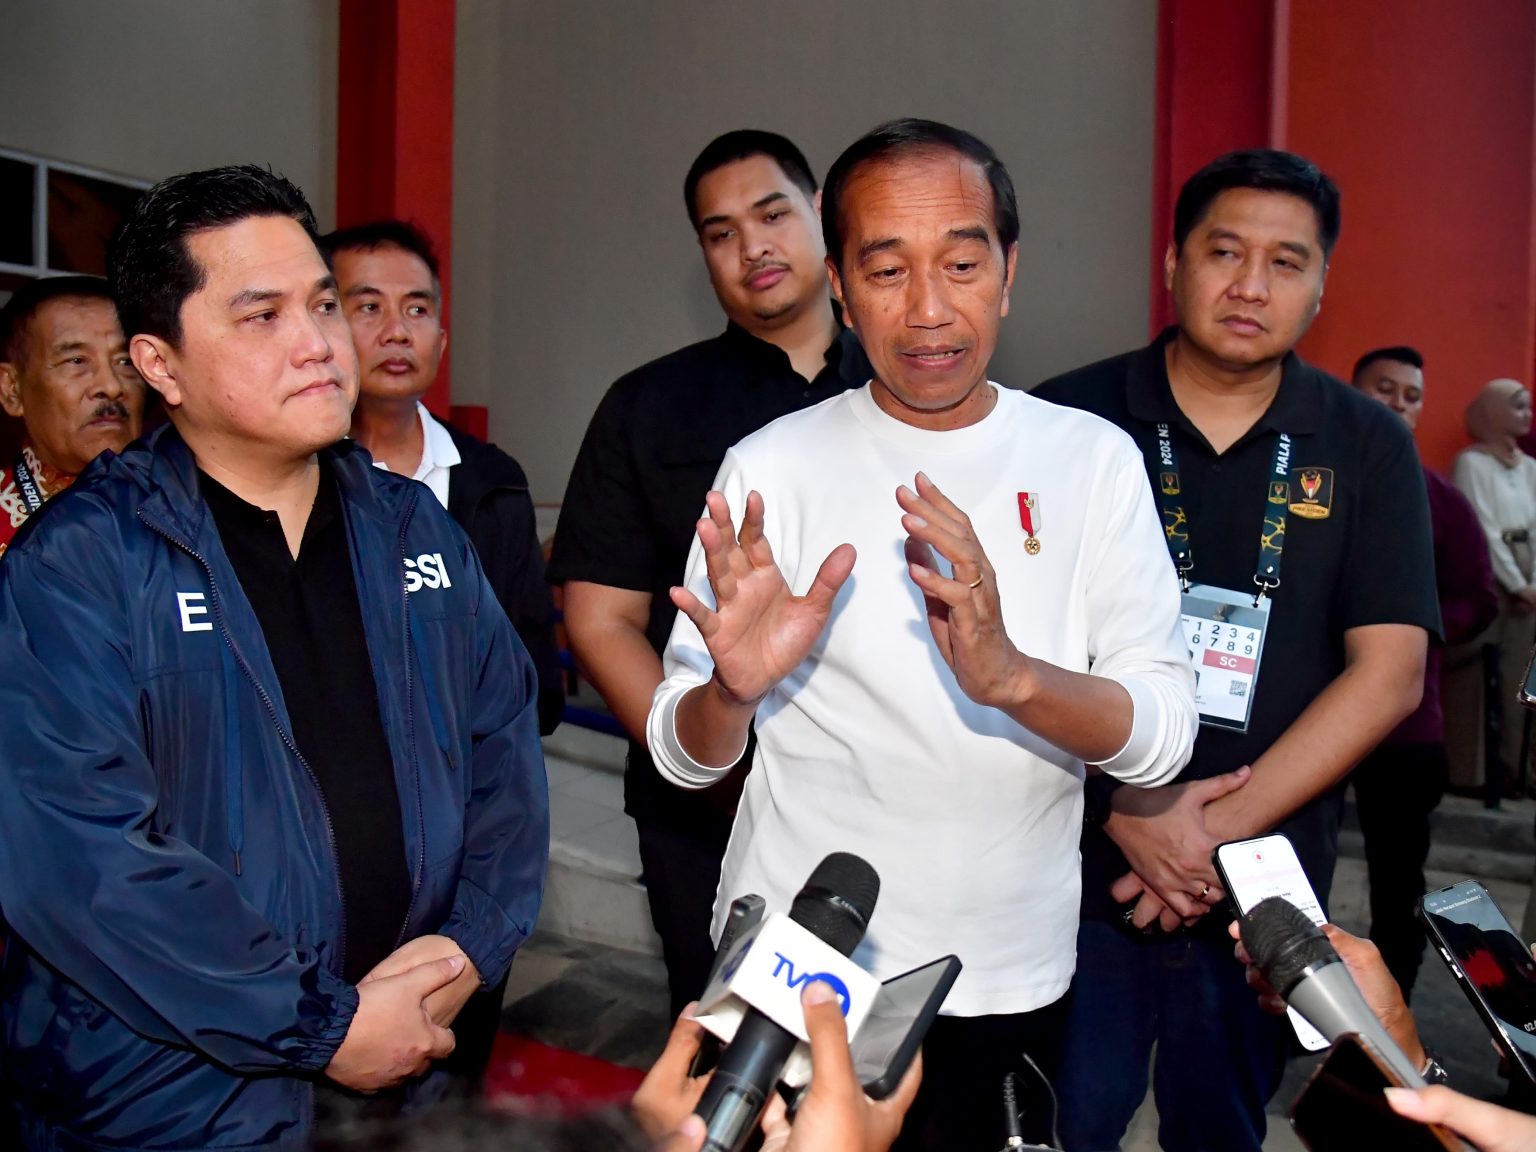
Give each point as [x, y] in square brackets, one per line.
[1238, 688]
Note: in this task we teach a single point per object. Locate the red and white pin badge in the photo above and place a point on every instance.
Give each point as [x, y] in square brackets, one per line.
[1029, 520]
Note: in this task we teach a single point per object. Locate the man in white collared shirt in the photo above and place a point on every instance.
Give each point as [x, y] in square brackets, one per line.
[387, 274]
[932, 702]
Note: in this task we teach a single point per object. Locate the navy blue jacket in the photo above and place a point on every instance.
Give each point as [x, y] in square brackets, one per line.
[171, 974]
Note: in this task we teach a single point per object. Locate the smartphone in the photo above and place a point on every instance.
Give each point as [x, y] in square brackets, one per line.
[893, 1031]
[1253, 870]
[1342, 1108]
[1527, 694]
[1492, 964]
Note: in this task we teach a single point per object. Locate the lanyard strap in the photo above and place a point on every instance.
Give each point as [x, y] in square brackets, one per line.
[27, 485]
[1277, 499]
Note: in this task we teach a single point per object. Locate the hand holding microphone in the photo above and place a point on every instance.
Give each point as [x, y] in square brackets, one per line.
[1299, 963]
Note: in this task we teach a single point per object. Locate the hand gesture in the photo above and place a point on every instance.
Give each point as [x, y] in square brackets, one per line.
[965, 613]
[1163, 835]
[392, 1037]
[759, 631]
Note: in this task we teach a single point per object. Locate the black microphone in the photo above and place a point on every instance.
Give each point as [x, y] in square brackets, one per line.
[835, 905]
[1309, 974]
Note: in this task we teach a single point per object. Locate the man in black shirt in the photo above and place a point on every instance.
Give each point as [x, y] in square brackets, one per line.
[650, 455]
[1272, 476]
[276, 805]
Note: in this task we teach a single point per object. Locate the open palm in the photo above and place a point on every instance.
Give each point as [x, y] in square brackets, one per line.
[758, 631]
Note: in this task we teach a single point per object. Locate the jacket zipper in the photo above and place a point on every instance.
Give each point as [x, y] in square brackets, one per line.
[410, 721]
[330, 829]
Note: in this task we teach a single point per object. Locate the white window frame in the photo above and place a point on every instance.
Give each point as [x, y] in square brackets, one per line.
[43, 164]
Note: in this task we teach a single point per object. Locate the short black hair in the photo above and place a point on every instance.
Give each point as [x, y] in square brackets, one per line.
[1400, 353]
[400, 234]
[903, 137]
[1265, 169]
[739, 145]
[149, 263]
[16, 316]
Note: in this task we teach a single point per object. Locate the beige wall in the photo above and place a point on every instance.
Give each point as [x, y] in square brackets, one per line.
[151, 87]
[575, 122]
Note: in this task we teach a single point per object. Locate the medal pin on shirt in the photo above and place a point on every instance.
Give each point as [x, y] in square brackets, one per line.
[1029, 520]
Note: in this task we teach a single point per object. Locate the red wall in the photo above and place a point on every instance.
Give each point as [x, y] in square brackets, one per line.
[1425, 113]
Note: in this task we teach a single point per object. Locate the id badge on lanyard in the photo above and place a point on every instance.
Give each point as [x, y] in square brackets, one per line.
[1224, 628]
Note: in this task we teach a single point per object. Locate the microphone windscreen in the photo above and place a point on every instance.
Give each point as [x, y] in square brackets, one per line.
[1284, 942]
[837, 901]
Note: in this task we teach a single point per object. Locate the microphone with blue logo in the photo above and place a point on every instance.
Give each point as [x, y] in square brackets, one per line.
[753, 1001]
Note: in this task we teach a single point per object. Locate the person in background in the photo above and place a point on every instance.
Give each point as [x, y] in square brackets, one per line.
[1257, 458]
[649, 456]
[1399, 784]
[392, 296]
[1500, 480]
[66, 374]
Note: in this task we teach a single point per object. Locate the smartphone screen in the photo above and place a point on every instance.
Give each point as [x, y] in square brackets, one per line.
[1491, 963]
[892, 1032]
[1254, 870]
[1342, 1108]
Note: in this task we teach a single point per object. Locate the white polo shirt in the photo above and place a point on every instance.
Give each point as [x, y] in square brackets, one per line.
[870, 747]
[438, 454]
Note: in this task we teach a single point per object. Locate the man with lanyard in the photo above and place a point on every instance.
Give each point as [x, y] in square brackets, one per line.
[1295, 515]
[65, 373]
[650, 455]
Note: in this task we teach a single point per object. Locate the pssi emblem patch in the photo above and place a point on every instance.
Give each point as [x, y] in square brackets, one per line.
[1279, 492]
[1316, 486]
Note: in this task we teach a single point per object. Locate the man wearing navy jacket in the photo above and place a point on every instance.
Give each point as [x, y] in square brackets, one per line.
[275, 803]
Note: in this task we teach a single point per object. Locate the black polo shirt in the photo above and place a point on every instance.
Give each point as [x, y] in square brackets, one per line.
[649, 457]
[1363, 554]
[313, 625]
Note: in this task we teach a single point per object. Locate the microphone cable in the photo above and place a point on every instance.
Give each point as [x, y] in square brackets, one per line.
[1013, 1116]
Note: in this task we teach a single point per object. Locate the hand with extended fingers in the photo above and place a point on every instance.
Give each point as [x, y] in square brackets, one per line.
[965, 612]
[758, 631]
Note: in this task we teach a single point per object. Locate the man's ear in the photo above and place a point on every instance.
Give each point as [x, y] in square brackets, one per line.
[1170, 262]
[834, 278]
[816, 202]
[1010, 266]
[10, 391]
[156, 362]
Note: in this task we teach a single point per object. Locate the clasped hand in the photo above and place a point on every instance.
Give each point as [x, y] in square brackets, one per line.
[1163, 833]
[405, 1005]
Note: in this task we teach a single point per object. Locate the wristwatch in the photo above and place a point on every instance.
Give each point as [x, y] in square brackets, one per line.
[1433, 1071]
[1098, 791]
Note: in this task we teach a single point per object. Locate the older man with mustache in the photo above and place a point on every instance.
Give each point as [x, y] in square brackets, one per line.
[64, 372]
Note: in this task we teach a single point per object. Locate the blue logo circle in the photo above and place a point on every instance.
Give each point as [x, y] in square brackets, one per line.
[837, 986]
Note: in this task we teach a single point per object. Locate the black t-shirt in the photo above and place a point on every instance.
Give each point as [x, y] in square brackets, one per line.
[649, 457]
[313, 625]
[1360, 554]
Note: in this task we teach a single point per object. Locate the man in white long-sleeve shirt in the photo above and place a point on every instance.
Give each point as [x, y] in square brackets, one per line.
[897, 716]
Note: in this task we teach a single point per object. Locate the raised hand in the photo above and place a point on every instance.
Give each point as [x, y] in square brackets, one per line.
[965, 613]
[758, 631]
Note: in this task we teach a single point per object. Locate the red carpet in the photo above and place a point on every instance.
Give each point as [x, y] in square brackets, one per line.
[525, 1070]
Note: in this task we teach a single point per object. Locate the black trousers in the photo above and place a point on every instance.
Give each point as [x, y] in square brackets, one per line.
[682, 874]
[959, 1107]
[1396, 788]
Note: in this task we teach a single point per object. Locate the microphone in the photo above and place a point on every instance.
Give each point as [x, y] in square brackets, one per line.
[834, 906]
[1309, 974]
